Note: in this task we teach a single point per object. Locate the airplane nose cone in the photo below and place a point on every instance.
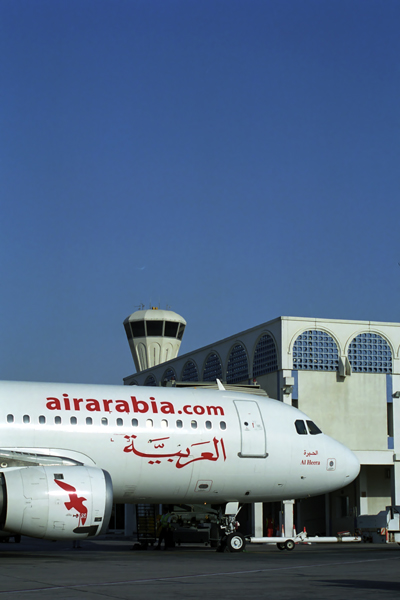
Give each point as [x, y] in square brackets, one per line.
[352, 466]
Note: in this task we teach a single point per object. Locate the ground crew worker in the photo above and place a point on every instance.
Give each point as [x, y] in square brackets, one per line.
[165, 532]
[270, 527]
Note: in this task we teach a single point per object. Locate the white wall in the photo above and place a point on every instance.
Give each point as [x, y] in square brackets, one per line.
[352, 410]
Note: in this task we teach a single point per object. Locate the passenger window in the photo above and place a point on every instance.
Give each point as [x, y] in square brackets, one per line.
[26, 419]
[135, 423]
[179, 424]
[57, 420]
[300, 427]
[193, 424]
[149, 423]
[73, 420]
[104, 421]
[119, 422]
[42, 419]
[208, 425]
[10, 418]
[312, 428]
[222, 425]
[89, 421]
[164, 424]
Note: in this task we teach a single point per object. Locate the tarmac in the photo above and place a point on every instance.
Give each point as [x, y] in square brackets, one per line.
[107, 569]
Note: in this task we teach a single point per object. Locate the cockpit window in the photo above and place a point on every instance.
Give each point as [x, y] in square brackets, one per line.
[312, 428]
[300, 427]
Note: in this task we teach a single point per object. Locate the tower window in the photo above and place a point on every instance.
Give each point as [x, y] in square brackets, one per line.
[138, 328]
[128, 330]
[171, 329]
[154, 328]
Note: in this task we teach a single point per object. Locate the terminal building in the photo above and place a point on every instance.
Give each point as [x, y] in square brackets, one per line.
[344, 374]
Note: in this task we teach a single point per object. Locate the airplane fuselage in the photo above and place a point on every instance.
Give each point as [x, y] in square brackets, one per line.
[165, 445]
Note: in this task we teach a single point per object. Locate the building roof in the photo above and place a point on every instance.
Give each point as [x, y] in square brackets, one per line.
[156, 314]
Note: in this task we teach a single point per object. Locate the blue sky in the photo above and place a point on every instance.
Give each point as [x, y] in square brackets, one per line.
[235, 160]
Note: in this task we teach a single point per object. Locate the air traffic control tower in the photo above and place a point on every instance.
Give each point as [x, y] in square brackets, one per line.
[154, 336]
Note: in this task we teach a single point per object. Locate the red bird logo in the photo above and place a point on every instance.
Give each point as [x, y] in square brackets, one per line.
[75, 502]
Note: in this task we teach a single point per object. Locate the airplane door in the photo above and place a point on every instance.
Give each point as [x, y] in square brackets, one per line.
[252, 430]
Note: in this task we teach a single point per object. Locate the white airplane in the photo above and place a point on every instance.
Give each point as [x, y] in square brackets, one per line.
[68, 451]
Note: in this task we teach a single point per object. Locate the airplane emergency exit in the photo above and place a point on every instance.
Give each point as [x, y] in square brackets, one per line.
[68, 451]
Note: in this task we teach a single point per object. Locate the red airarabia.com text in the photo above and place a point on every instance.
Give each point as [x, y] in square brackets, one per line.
[129, 406]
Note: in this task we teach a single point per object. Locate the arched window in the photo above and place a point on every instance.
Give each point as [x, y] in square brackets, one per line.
[189, 372]
[315, 350]
[238, 366]
[265, 356]
[370, 353]
[169, 375]
[212, 368]
[150, 381]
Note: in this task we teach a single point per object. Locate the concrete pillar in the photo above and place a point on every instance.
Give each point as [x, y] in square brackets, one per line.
[130, 520]
[299, 518]
[286, 383]
[288, 517]
[363, 491]
[258, 519]
[328, 515]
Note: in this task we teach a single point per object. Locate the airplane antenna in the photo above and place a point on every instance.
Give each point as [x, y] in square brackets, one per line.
[220, 386]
